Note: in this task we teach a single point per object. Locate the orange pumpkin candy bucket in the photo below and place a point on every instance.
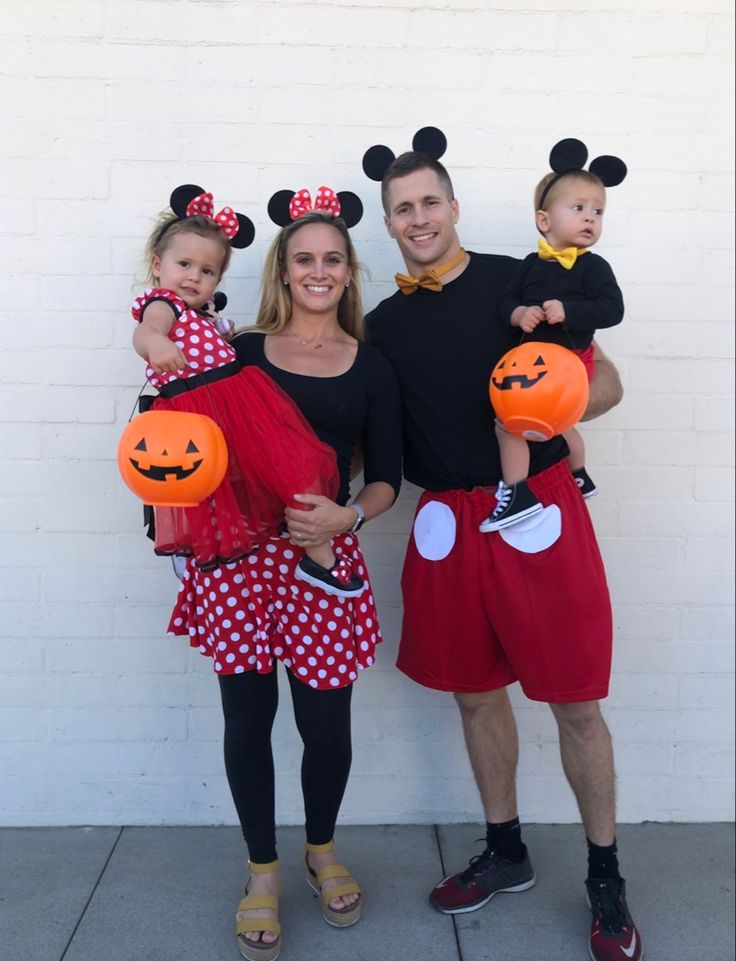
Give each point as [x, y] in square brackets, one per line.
[172, 458]
[539, 390]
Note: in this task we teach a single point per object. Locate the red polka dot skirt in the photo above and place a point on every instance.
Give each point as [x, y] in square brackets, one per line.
[246, 614]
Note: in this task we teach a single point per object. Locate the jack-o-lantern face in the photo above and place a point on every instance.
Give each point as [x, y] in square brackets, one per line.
[506, 375]
[539, 390]
[161, 471]
[172, 458]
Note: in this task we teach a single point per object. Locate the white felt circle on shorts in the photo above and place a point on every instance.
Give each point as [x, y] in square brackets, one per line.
[536, 533]
[434, 531]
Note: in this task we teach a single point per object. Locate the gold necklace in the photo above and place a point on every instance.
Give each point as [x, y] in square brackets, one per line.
[309, 342]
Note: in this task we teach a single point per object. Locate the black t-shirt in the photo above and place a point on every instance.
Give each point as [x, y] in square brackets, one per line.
[361, 405]
[444, 346]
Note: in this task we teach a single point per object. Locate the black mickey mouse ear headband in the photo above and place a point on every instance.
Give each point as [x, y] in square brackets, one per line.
[286, 206]
[569, 156]
[377, 159]
[189, 200]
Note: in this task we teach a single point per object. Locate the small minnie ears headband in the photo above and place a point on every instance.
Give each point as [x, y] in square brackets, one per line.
[189, 200]
[286, 206]
[569, 156]
[377, 159]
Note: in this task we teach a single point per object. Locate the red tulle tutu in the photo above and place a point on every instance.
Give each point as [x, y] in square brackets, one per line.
[273, 454]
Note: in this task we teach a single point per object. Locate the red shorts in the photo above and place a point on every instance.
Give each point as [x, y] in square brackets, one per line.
[586, 355]
[529, 603]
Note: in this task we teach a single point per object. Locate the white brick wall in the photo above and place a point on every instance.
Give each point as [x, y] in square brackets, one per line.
[108, 104]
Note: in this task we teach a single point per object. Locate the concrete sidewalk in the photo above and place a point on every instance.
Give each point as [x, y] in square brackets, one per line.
[168, 894]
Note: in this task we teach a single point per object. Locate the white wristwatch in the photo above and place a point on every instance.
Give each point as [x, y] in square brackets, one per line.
[359, 520]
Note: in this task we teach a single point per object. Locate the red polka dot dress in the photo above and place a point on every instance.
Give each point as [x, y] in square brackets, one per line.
[273, 451]
[249, 614]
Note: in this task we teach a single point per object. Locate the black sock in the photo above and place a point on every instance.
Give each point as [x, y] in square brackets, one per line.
[602, 861]
[506, 839]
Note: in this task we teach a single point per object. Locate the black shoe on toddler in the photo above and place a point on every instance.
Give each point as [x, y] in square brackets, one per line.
[339, 580]
[584, 482]
[514, 503]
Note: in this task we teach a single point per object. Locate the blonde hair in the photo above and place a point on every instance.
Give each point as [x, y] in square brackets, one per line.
[585, 175]
[169, 225]
[274, 312]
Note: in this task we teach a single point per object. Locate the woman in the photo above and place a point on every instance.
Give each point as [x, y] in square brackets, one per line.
[249, 614]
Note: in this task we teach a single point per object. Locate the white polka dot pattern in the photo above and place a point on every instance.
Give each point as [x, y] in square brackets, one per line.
[326, 201]
[193, 333]
[204, 206]
[227, 221]
[243, 618]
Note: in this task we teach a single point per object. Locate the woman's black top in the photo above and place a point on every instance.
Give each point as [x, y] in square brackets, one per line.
[361, 406]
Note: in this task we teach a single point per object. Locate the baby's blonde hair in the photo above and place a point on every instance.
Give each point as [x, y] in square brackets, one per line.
[585, 175]
[169, 225]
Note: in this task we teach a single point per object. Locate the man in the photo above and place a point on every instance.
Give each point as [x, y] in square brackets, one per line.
[529, 603]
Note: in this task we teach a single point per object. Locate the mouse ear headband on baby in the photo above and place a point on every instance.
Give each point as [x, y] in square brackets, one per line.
[286, 206]
[189, 200]
[568, 156]
[377, 159]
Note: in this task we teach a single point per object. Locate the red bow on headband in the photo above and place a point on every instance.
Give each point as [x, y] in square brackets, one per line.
[326, 200]
[226, 219]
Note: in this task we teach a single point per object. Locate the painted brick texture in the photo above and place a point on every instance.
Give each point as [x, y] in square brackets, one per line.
[108, 104]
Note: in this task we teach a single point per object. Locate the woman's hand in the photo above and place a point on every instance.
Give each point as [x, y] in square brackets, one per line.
[326, 519]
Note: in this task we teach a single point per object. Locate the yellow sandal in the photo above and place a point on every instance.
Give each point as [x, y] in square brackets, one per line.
[341, 917]
[257, 950]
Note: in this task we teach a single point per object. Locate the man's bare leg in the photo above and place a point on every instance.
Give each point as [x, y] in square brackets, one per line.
[493, 747]
[587, 759]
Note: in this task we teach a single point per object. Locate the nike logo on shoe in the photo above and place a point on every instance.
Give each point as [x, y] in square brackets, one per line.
[629, 952]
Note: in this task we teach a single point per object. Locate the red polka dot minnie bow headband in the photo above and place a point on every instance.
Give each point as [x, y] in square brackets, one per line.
[189, 200]
[287, 206]
[225, 219]
[326, 200]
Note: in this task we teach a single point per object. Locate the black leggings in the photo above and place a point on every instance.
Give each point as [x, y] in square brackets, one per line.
[249, 702]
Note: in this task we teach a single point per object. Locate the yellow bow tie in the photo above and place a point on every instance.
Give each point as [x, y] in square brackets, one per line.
[430, 280]
[566, 258]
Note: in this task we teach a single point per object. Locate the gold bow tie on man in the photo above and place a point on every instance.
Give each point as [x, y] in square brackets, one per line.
[408, 284]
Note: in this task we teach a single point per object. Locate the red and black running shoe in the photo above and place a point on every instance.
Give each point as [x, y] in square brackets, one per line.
[613, 935]
[487, 874]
